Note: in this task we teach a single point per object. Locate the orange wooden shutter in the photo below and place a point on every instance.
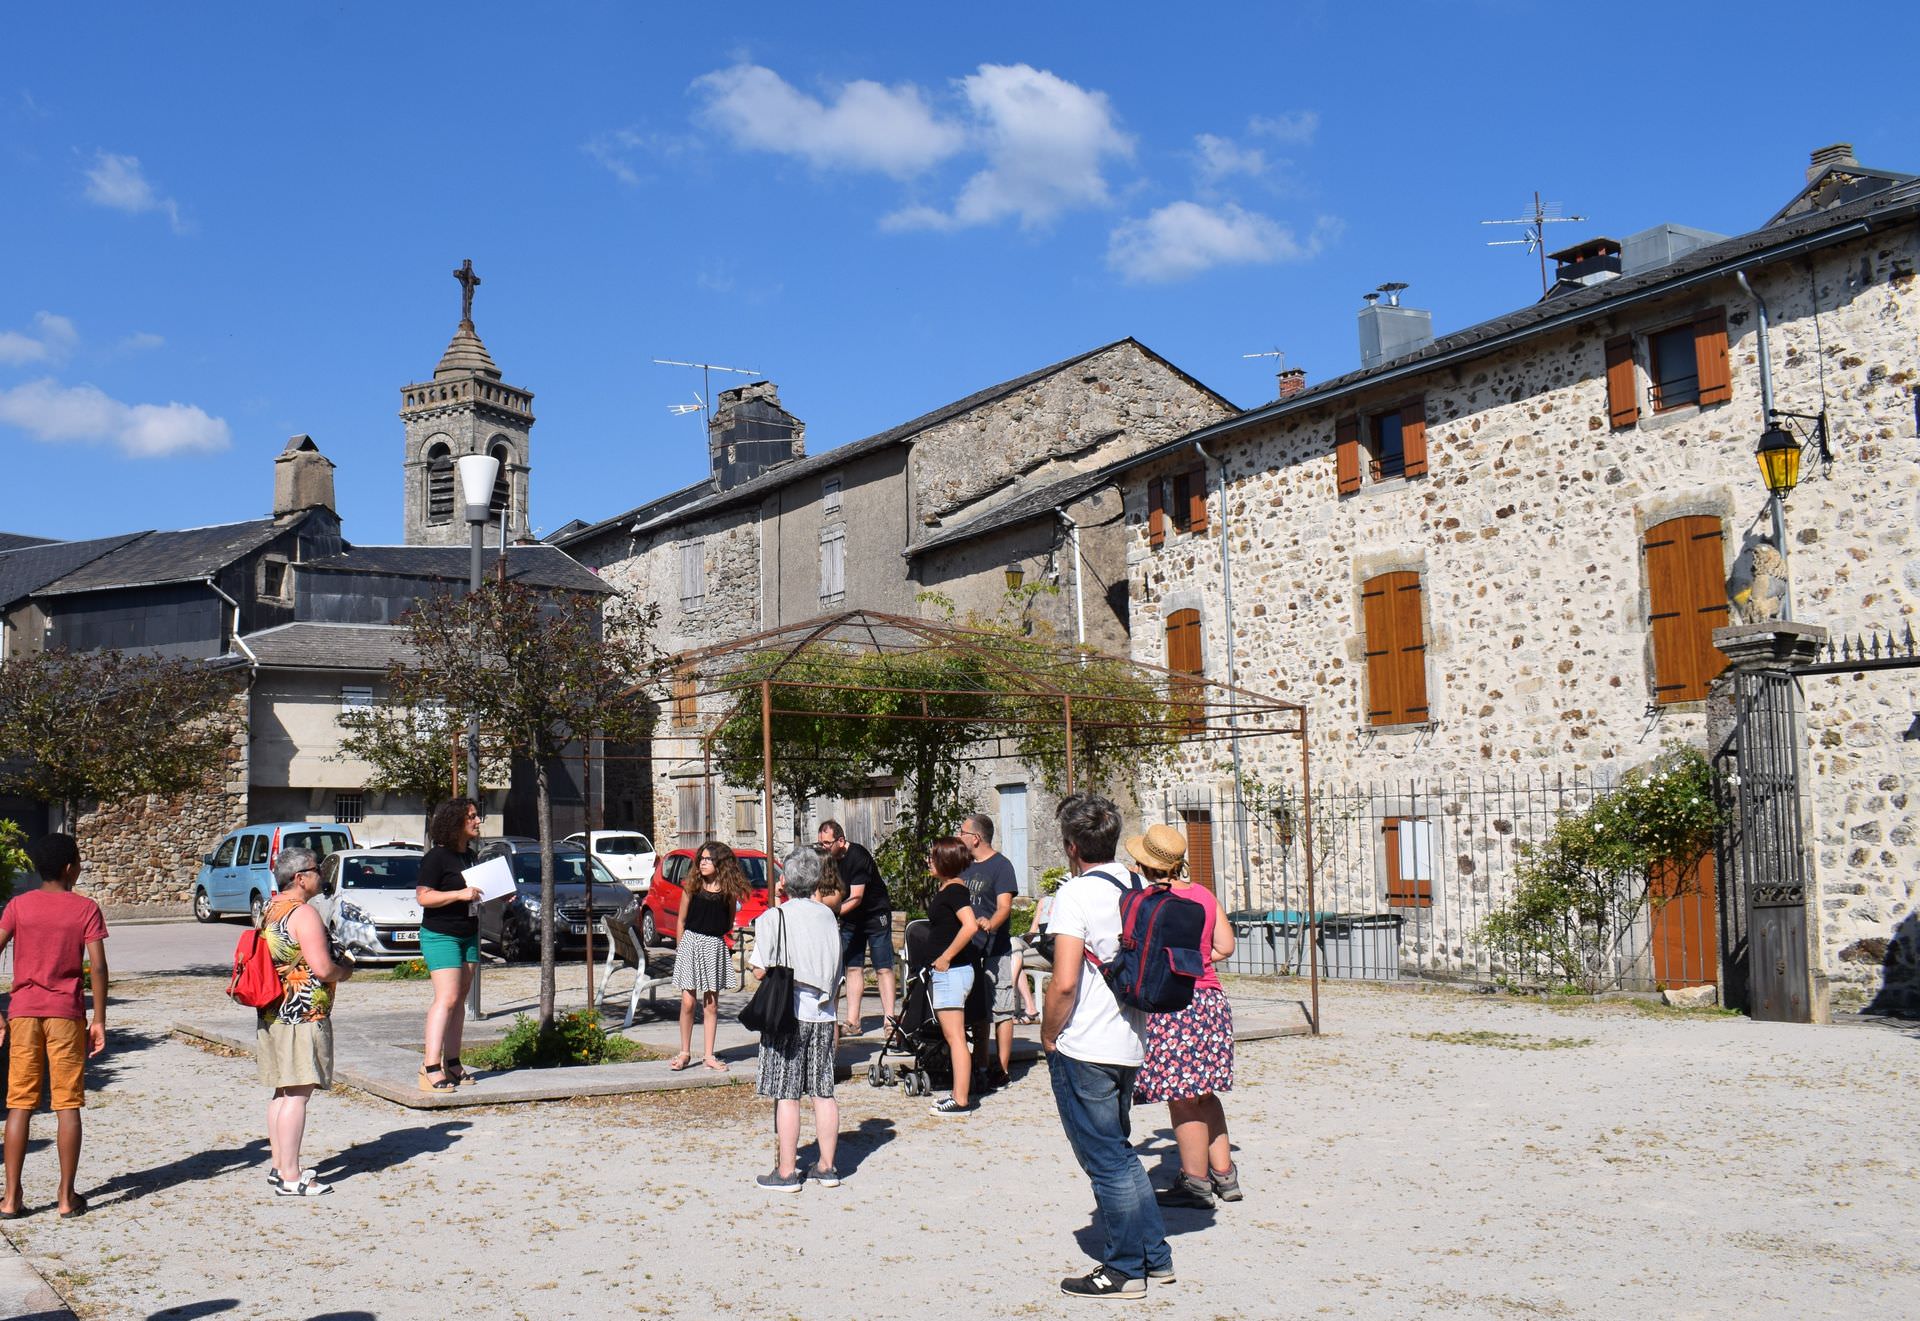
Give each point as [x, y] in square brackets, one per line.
[1623, 400]
[1411, 657]
[1184, 657]
[1346, 454]
[1707, 575]
[1687, 600]
[1156, 515]
[1710, 357]
[1376, 621]
[1413, 438]
[1197, 500]
[1199, 828]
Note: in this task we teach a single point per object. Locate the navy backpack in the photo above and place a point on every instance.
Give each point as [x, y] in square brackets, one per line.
[1160, 958]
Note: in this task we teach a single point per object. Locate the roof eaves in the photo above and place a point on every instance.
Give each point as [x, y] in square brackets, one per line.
[1041, 502]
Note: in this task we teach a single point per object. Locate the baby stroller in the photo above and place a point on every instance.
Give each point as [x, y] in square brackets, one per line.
[915, 1034]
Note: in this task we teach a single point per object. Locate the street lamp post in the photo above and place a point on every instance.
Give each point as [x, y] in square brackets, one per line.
[1778, 455]
[478, 472]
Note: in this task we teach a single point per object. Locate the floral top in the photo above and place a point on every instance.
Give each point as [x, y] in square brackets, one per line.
[304, 998]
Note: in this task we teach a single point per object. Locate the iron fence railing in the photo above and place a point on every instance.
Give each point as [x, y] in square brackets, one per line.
[1407, 874]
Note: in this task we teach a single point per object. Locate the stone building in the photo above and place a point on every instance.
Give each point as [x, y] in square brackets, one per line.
[1505, 550]
[774, 536]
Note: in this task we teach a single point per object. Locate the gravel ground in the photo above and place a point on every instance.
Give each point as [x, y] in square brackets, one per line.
[1435, 1153]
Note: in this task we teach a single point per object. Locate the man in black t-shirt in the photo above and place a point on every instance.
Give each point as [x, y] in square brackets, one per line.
[991, 884]
[866, 923]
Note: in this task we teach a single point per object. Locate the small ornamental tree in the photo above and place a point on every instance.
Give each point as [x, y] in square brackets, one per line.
[541, 671]
[108, 726]
[1582, 889]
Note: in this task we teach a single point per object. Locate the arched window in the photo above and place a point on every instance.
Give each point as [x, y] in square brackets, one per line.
[439, 483]
[502, 485]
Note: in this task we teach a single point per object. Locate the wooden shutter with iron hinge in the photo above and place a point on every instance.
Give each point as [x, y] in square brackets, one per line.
[1413, 439]
[1346, 454]
[1156, 514]
[1686, 600]
[1623, 402]
[1710, 357]
[1197, 499]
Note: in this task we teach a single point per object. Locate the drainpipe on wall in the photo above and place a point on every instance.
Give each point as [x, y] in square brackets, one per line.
[245, 650]
[1233, 702]
[1079, 597]
[1775, 504]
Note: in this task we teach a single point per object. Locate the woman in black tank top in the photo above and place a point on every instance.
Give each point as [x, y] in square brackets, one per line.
[709, 901]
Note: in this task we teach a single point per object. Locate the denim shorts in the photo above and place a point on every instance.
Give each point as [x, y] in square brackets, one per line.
[859, 947]
[951, 988]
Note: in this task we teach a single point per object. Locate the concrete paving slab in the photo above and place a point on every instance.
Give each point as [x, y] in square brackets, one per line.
[24, 1296]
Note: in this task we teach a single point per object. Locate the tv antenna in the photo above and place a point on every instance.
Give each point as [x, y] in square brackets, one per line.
[1279, 357]
[1534, 237]
[706, 370]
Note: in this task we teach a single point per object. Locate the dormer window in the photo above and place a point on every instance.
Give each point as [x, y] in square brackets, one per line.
[830, 496]
[274, 579]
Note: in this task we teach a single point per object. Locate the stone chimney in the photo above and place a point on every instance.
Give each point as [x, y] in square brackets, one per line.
[1840, 154]
[302, 478]
[749, 432]
[1292, 381]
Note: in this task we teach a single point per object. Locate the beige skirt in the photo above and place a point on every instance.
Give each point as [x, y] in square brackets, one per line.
[295, 1054]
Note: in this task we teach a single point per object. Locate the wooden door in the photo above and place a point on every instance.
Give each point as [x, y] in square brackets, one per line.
[1199, 828]
[1684, 918]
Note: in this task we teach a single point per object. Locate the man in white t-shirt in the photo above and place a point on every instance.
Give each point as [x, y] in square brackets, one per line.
[1094, 1048]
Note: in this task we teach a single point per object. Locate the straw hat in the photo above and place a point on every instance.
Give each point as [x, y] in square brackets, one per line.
[1162, 848]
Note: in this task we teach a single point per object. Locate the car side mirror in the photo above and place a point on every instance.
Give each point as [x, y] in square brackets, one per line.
[207, 858]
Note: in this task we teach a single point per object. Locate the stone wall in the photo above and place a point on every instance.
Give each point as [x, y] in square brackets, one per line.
[1527, 532]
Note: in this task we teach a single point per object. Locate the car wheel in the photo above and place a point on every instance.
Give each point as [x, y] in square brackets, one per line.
[649, 930]
[516, 941]
[202, 906]
[258, 908]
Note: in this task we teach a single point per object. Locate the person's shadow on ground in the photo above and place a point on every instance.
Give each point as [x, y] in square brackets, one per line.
[389, 1150]
[194, 1168]
[215, 1306]
[855, 1146]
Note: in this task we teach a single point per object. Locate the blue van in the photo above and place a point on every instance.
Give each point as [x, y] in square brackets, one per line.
[237, 877]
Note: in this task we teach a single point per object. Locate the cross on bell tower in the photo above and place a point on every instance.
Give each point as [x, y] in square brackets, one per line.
[467, 408]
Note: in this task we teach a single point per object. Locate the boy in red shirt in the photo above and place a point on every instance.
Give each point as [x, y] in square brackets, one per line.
[45, 1029]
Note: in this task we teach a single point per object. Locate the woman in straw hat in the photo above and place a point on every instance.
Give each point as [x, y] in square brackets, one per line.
[1190, 1054]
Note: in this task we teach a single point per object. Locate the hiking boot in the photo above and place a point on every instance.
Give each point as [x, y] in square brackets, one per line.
[1186, 1191]
[1226, 1186]
[1104, 1282]
[776, 1182]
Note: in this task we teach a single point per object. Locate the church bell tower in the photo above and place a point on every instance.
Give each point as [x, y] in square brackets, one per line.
[465, 409]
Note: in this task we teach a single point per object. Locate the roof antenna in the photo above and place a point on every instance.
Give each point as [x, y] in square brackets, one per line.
[706, 369]
[1534, 237]
[1279, 361]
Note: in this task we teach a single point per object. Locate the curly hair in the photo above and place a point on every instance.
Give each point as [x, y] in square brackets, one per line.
[449, 822]
[726, 870]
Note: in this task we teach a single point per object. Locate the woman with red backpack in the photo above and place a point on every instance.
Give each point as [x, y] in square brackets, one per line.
[1189, 1054]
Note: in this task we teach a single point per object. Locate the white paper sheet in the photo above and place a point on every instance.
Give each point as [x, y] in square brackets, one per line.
[493, 878]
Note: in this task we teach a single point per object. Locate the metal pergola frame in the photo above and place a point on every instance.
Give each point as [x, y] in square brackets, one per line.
[1032, 674]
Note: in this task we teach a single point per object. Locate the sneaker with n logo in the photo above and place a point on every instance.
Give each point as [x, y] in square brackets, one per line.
[1104, 1282]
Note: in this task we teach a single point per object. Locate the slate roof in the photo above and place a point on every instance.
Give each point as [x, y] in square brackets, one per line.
[1894, 206]
[169, 557]
[27, 569]
[1039, 502]
[16, 540]
[650, 515]
[536, 566]
[369, 647]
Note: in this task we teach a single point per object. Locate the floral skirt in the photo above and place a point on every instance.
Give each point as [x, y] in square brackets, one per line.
[1189, 1053]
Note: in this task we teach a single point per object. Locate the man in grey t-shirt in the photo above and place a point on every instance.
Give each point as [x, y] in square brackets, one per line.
[991, 886]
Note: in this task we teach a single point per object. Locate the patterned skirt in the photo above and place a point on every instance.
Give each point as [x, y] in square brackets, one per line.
[700, 964]
[1189, 1053]
[797, 1064]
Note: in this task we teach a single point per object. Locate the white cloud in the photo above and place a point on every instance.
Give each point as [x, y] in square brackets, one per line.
[1220, 157]
[142, 341]
[84, 414]
[119, 182]
[52, 338]
[1185, 238]
[1294, 126]
[1047, 142]
[865, 126]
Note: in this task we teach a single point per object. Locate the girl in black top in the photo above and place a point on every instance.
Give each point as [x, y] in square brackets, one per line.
[709, 901]
[449, 937]
[951, 921]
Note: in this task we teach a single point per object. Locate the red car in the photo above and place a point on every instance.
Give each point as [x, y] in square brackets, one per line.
[660, 916]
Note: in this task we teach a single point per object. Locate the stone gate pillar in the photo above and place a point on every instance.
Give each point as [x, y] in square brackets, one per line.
[1756, 733]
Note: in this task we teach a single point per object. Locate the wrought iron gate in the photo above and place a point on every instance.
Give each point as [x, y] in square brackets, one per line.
[1761, 854]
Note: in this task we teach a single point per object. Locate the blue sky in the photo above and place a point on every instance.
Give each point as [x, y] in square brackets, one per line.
[225, 224]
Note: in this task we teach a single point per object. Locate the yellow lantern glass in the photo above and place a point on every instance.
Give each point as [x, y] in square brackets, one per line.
[1015, 576]
[1779, 457]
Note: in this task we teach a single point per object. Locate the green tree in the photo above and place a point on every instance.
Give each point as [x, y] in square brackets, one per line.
[14, 862]
[542, 671]
[411, 750]
[107, 726]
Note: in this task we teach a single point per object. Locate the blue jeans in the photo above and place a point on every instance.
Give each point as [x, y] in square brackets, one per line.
[1096, 1104]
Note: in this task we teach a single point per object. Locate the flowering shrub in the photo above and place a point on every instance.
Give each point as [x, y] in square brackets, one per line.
[1582, 888]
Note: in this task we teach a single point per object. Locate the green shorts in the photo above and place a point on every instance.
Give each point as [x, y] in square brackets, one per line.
[441, 951]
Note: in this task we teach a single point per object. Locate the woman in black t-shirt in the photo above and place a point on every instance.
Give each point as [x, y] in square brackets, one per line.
[449, 937]
[951, 921]
[709, 902]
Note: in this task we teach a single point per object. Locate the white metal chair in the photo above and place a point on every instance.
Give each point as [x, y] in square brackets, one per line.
[624, 948]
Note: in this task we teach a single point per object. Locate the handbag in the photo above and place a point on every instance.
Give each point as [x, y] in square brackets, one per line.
[255, 982]
[770, 1011]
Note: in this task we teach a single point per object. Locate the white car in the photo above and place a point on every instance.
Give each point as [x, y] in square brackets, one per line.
[628, 854]
[374, 917]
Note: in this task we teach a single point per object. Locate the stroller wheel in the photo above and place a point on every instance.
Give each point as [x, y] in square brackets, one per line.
[877, 1075]
[910, 1083]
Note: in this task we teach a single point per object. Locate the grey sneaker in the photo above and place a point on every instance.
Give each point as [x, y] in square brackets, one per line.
[1226, 1186]
[1187, 1191]
[825, 1175]
[776, 1182]
[1164, 1275]
[946, 1105]
[1104, 1282]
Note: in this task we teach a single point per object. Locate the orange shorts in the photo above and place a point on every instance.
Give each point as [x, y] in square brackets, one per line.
[51, 1051]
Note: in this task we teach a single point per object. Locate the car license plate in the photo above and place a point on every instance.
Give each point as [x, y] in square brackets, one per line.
[406, 937]
[579, 928]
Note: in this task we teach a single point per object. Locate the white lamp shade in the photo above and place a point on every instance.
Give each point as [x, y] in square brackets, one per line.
[478, 472]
